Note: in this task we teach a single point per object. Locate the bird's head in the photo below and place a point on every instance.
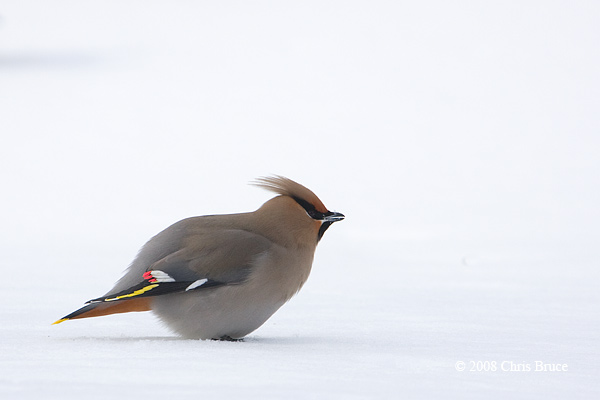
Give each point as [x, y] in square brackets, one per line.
[300, 208]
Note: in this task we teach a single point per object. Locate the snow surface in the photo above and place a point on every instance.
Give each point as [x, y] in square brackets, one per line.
[460, 139]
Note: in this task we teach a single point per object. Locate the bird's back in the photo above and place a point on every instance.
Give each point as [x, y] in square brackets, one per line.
[257, 275]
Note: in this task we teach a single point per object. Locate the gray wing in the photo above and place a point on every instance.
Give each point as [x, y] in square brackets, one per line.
[194, 251]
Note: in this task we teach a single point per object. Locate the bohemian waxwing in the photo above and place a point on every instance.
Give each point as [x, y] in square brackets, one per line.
[223, 276]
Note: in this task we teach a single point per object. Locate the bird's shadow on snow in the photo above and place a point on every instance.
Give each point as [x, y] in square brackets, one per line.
[250, 340]
[128, 338]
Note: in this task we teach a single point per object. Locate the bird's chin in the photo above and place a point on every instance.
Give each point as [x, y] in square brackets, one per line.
[324, 226]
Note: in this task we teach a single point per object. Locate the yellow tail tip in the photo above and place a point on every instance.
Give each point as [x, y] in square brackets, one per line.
[60, 320]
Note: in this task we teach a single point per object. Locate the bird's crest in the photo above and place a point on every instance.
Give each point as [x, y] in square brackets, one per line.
[287, 187]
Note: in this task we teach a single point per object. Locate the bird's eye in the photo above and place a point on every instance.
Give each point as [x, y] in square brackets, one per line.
[314, 214]
[310, 209]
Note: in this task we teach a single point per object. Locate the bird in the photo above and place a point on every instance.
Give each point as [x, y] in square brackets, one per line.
[221, 277]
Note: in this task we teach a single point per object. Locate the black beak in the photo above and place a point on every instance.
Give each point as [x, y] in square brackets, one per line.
[332, 217]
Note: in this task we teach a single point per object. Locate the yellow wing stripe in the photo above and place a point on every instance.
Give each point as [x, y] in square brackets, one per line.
[133, 294]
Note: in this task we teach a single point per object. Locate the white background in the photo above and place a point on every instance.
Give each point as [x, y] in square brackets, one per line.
[460, 139]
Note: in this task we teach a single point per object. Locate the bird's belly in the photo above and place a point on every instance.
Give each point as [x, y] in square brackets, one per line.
[215, 313]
